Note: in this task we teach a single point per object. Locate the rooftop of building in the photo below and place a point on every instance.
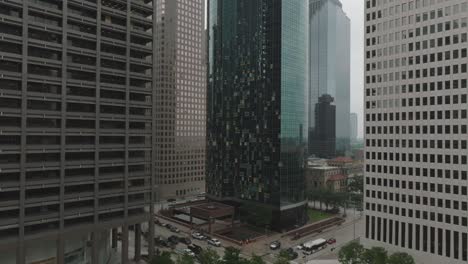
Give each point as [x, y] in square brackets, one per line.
[342, 160]
[323, 168]
[337, 177]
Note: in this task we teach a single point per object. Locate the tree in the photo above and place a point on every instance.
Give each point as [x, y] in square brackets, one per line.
[375, 255]
[356, 184]
[281, 260]
[400, 258]
[208, 256]
[351, 253]
[283, 254]
[163, 258]
[232, 256]
[185, 259]
[256, 260]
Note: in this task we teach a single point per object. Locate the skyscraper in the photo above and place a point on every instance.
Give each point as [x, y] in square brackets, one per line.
[353, 124]
[76, 147]
[323, 140]
[180, 97]
[329, 60]
[258, 105]
[416, 128]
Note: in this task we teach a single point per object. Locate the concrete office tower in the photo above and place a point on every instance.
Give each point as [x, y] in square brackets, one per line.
[323, 139]
[75, 128]
[180, 98]
[353, 124]
[258, 106]
[329, 60]
[416, 128]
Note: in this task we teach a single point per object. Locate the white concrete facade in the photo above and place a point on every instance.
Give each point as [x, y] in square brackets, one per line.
[416, 128]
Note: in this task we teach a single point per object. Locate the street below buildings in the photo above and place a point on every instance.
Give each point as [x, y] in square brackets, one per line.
[351, 229]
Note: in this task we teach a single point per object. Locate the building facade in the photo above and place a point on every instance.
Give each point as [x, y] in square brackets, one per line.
[257, 105]
[180, 98]
[325, 177]
[329, 60]
[76, 125]
[353, 126]
[416, 197]
[322, 141]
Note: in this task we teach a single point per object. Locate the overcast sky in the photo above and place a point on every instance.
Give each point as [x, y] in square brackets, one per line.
[355, 11]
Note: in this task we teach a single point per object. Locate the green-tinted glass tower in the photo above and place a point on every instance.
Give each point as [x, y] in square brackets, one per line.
[258, 106]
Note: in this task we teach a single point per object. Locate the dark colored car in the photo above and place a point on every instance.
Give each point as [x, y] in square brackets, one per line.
[160, 241]
[331, 241]
[195, 249]
[185, 240]
[292, 255]
[173, 239]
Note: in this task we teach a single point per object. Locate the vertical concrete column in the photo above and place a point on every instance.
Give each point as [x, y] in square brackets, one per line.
[94, 250]
[125, 244]
[191, 221]
[114, 238]
[209, 226]
[137, 242]
[61, 250]
[151, 237]
[20, 254]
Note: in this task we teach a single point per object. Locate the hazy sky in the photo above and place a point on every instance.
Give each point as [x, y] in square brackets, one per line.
[355, 11]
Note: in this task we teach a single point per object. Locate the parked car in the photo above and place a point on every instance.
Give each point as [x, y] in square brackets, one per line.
[189, 252]
[168, 226]
[292, 255]
[185, 240]
[215, 242]
[173, 239]
[195, 248]
[275, 245]
[331, 241]
[160, 241]
[300, 247]
[157, 222]
[174, 229]
[198, 236]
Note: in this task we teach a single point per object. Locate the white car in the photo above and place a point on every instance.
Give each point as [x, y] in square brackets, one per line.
[197, 236]
[189, 252]
[300, 247]
[215, 242]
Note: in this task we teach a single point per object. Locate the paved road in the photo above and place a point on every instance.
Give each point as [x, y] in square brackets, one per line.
[351, 229]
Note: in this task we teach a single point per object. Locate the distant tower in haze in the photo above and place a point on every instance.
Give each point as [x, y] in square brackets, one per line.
[323, 137]
[329, 60]
[353, 123]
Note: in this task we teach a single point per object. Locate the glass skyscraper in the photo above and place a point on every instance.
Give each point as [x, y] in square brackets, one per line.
[258, 105]
[330, 65]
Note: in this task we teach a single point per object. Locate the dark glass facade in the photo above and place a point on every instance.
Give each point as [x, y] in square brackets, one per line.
[323, 139]
[258, 105]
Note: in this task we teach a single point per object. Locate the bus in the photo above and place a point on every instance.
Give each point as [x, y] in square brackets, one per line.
[314, 246]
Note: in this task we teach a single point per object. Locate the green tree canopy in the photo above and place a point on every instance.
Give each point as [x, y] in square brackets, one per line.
[232, 256]
[281, 260]
[400, 258]
[351, 253]
[375, 255]
[208, 256]
[256, 260]
[163, 258]
[186, 259]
